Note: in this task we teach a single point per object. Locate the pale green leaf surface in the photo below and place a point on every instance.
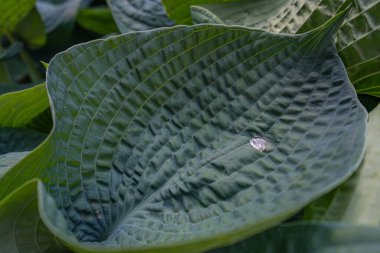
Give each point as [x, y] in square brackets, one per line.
[98, 20]
[358, 199]
[22, 229]
[139, 15]
[357, 40]
[12, 12]
[151, 150]
[310, 238]
[19, 108]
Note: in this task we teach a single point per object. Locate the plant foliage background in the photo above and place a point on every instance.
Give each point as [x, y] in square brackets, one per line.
[132, 126]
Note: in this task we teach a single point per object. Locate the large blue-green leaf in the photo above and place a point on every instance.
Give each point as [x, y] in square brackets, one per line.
[357, 200]
[357, 40]
[139, 15]
[187, 138]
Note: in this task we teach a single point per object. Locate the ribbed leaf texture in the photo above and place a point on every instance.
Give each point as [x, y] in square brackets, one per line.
[357, 40]
[188, 138]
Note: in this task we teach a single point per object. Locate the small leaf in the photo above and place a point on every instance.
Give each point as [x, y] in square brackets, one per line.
[179, 11]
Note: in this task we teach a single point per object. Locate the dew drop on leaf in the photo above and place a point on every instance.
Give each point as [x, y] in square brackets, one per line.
[260, 144]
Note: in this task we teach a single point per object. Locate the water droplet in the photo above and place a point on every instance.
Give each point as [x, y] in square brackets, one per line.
[98, 214]
[260, 143]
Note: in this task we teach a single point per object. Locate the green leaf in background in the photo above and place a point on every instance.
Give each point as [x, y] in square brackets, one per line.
[57, 13]
[358, 199]
[98, 19]
[188, 138]
[310, 237]
[12, 70]
[139, 15]
[19, 108]
[31, 29]
[252, 13]
[357, 40]
[19, 131]
[179, 11]
[12, 12]
[15, 144]
[11, 52]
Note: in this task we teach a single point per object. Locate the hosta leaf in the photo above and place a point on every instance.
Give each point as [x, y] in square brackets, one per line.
[357, 200]
[357, 40]
[12, 12]
[139, 15]
[179, 11]
[98, 20]
[310, 237]
[186, 138]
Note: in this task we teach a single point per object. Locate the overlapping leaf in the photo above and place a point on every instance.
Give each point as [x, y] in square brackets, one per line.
[357, 40]
[152, 147]
[139, 15]
[98, 20]
[19, 131]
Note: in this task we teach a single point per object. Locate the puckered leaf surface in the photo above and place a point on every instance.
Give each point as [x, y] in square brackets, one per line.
[187, 138]
[357, 40]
